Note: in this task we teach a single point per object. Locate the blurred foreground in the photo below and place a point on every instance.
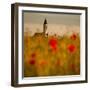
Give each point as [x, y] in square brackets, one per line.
[51, 55]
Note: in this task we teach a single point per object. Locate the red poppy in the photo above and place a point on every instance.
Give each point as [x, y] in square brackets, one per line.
[73, 36]
[33, 55]
[53, 49]
[32, 61]
[71, 48]
[53, 44]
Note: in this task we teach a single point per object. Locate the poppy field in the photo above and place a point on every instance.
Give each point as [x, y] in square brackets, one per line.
[51, 55]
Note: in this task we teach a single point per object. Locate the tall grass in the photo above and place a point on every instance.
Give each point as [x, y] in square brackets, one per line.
[51, 55]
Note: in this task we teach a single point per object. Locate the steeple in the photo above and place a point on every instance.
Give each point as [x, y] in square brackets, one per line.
[45, 21]
[44, 26]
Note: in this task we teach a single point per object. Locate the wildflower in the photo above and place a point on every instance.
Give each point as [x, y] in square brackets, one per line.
[53, 44]
[73, 37]
[71, 48]
[32, 61]
[33, 55]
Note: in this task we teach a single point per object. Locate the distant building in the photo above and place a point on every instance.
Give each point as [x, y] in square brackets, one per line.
[44, 29]
[44, 26]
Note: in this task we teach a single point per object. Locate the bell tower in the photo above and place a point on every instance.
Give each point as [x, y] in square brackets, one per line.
[44, 26]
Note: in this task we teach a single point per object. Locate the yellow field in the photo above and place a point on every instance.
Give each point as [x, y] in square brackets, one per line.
[51, 55]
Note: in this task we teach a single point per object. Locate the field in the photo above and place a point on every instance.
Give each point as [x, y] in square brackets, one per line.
[51, 55]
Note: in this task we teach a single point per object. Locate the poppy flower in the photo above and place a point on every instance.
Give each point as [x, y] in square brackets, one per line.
[53, 44]
[32, 61]
[73, 37]
[53, 49]
[33, 55]
[71, 48]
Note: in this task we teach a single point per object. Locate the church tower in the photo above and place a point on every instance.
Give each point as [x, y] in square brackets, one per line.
[44, 26]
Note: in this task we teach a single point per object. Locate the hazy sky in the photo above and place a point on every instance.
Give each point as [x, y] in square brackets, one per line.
[52, 18]
[59, 24]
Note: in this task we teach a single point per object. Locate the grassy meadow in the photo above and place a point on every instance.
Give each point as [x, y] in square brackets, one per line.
[51, 55]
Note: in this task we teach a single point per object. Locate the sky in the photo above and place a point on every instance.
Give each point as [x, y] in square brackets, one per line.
[52, 18]
[59, 24]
